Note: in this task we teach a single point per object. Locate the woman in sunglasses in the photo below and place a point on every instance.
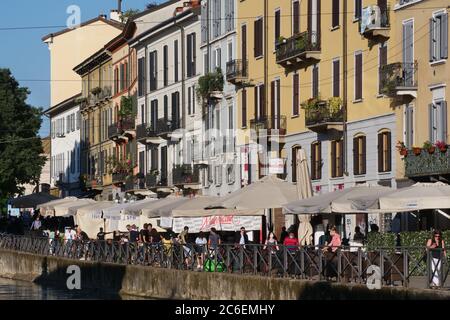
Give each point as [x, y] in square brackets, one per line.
[436, 246]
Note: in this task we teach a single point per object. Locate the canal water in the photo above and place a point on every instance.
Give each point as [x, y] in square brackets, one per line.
[23, 290]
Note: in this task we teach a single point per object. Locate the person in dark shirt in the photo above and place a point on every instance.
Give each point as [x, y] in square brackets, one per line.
[358, 236]
[134, 234]
[81, 235]
[101, 235]
[144, 234]
[284, 234]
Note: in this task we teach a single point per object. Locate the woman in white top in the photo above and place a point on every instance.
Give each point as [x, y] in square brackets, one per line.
[200, 248]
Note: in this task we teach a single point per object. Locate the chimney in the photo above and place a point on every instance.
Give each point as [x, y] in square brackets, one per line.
[115, 15]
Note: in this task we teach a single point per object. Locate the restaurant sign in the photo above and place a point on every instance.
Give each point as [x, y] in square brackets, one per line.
[224, 223]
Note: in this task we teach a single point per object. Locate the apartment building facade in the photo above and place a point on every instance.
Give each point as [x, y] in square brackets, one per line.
[97, 112]
[310, 87]
[218, 52]
[167, 70]
[67, 48]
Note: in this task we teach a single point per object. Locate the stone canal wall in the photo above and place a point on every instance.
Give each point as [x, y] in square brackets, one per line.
[174, 284]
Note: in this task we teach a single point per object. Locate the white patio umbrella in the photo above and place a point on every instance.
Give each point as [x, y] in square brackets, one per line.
[48, 207]
[324, 203]
[151, 209]
[304, 189]
[64, 209]
[361, 200]
[136, 207]
[420, 196]
[90, 217]
[267, 193]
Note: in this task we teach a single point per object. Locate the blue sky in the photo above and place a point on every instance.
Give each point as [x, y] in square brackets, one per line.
[23, 51]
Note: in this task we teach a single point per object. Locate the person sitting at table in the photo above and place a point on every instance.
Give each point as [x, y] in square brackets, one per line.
[335, 242]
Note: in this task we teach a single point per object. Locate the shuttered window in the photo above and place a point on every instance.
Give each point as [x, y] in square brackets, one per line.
[294, 162]
[384, 152]
[438, 121]
[316, 161]
[244, 108]
[277, 25]
[315, 81]
[191, 55]
[359, 155]
[439, 37]
[295, 94]
[175, 60]
[409, 126]
[295, 17]
[358, 76]
[336, 78]
[335, 15]
[383, 61]
[141, 76]
[358, 9]
[337, 159]
[259, 102]
[153, 71]
[258, 45]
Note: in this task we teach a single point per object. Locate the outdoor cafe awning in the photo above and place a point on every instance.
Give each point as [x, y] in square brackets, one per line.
[420, 196]
[267, 193]
[49, 207]
[341, 201]
[32, 200]
[69, 208]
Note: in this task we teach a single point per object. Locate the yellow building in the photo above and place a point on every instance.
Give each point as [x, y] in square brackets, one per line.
[313, 82]
[97, 117]
[417, 82]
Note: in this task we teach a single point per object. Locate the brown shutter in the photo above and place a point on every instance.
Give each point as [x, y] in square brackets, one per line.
[341, 158]
[319, 19]
[333, 159]
[277, 25]
[389, 151]
[363, 157]
[336, 78]
[256, 38]
[272, 104]
[244, 44]
[262, 106]
[335, 17]
[380, 152]
[319, 160]
[294, 165]
[358, 76]
[278, 111]
[355, 156]
[383, 62]
[313, 161]
[295, 98]
[296, 17]
[244, 108]
[256, 102]
[309, 17]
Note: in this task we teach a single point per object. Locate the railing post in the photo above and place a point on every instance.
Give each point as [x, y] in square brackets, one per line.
[255, 259]
[428, 269]
[320, 264]
[382, 266]
[285, 263]
[339, 265]
[405, 267]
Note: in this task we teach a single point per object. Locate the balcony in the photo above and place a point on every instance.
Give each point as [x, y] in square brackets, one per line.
[186, 175]
[399, 79]
[376, 25]
[298, 49]
[323, 115]
[237, 71]
[151, 181]
[114, 132]
[119, 177]
[95, 96]
[164, 128]
[128, 127]
[426, 164]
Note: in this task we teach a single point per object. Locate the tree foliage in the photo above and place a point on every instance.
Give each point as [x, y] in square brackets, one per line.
[20, 147]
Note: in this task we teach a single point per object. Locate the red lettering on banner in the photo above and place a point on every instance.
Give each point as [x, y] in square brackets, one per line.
[209, 222]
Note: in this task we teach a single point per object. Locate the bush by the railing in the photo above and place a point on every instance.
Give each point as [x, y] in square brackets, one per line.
[407, 239]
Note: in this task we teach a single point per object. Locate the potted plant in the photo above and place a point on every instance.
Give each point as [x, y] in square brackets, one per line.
[335, 104]
[210, 86]
[441, 145]
[427, 145]
[417, 150]
[96, 91]
[402, 148]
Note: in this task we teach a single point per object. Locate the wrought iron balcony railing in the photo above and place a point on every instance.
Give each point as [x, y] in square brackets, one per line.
[426, 164]
[127, 124]
[163, 126]
[297, 45]
[398, 76]
[237, 70]
[141, 131]
[378, 19]
[185, 174]
[269, 123]
[322, 113]
[114, 131]
[118, 177]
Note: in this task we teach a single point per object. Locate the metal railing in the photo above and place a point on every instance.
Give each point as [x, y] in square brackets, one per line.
[237, 69]
[163, 126]
[323, 113]
[269, 123]
[405, 266]
[114, 131]
[296, 45]
[381, 20]
[397, 76]
[185, 174]
[426, 164]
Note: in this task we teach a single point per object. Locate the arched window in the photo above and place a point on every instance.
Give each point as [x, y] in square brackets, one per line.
[316, 160]
[337, 158]
[384, 151]
[294, 162]
[359, 154]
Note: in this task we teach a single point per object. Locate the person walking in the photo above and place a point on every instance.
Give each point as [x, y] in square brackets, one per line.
[200, 248]
[436, 246]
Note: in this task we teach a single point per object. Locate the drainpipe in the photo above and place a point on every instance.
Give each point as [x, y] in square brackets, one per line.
[345, 87]
[266, 76]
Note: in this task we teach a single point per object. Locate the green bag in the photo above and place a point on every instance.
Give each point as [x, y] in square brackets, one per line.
[213, 266]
